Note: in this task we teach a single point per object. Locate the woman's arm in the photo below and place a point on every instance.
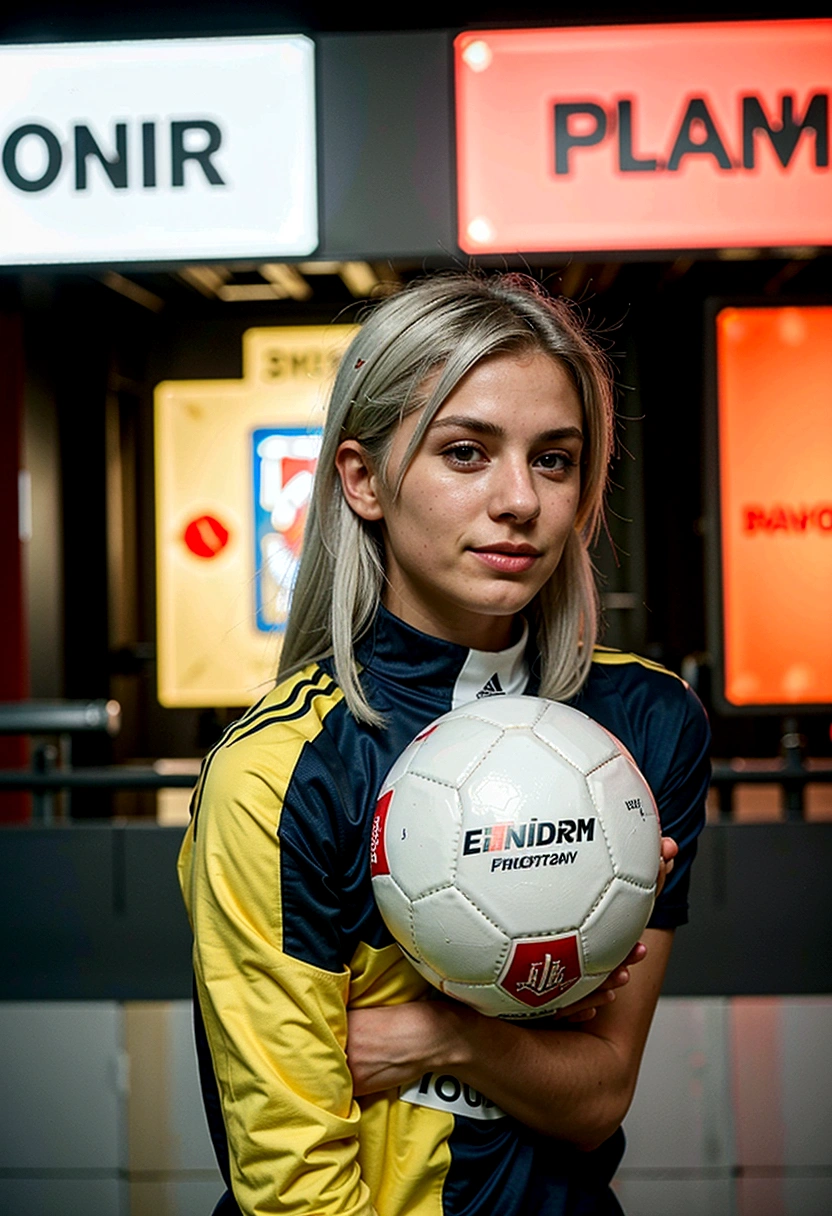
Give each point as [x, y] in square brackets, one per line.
[575, 1084]
[572, 1086]
[275, 1022]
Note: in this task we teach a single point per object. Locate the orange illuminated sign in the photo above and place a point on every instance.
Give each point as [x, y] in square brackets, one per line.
[705, 135]
[774, 390]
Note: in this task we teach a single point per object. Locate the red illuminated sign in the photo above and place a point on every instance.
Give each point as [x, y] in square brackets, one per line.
[644, 137]
[774, 400]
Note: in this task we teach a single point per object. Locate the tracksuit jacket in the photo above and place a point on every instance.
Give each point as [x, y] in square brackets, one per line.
[275, 873]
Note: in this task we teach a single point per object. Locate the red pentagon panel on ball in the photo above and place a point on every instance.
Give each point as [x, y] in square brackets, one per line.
[378, 852]
[540, 970]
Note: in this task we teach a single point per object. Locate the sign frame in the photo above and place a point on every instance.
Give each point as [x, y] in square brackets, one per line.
[713, 513]
[488, 253]
[154, 161]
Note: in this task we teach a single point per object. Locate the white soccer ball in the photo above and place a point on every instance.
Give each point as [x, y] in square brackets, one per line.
[514, 854]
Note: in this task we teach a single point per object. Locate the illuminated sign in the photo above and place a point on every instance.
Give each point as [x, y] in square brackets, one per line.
[234, 466]
[284, 465]
[774, 404]
[644, 137]
[164, 150]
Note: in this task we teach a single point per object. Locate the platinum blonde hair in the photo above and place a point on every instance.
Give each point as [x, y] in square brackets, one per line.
[410, 354]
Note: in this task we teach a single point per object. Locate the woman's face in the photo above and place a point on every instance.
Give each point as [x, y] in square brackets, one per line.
[485, 506]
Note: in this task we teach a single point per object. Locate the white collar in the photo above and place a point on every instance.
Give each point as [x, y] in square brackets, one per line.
[488, 673]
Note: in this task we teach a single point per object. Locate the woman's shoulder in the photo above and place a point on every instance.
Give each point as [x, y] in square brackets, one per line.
[633, 664]
[653, 711]
[632, 674]
[624, 688]
[265, 742]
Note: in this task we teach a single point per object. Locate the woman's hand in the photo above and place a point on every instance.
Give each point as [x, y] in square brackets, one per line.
[393, 1045]
[669, 850]
[604, 994]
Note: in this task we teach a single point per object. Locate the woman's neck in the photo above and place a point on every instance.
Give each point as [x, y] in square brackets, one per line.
[473, 630]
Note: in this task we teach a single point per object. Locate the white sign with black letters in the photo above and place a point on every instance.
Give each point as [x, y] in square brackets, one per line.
[169, 150]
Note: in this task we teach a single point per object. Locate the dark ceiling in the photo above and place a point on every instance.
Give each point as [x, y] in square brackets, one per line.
[51, 20]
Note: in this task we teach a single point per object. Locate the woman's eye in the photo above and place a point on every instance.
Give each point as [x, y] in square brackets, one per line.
[554, 462]
[464, 453]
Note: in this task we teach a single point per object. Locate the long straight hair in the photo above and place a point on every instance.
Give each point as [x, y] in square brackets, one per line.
[410, 354]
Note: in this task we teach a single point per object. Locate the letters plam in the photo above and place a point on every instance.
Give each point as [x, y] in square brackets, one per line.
[703, 135]
[774, 378]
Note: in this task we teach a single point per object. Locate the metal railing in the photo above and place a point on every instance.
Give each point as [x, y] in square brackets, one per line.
[790, 771]
[52, 770]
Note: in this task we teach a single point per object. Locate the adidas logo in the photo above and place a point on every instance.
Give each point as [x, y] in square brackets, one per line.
[492, 689]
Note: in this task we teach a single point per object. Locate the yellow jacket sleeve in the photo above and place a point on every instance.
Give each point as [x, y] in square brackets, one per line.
[276, 1026]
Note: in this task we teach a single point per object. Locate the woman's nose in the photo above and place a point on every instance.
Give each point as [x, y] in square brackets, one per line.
[515, 494]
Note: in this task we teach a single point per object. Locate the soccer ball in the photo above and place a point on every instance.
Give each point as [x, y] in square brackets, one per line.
[514, 854]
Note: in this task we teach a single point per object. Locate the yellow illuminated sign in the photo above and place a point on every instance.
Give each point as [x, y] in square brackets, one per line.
[234, 464]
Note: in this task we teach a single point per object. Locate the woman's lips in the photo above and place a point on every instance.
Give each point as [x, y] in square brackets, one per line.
[508, 559]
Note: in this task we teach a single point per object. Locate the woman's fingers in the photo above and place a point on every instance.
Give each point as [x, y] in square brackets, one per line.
[669, 850]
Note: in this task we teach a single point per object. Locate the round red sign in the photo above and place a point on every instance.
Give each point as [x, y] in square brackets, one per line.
[205, 536]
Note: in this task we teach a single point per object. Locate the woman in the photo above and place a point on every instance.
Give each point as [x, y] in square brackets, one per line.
[460, 482]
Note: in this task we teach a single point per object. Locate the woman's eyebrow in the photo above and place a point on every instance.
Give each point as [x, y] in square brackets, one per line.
[480, 427]
[462, 422]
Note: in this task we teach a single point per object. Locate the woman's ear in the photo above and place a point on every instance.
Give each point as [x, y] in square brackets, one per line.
[358, 480]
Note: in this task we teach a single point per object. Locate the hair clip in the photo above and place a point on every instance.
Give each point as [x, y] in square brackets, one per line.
[359, 363]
